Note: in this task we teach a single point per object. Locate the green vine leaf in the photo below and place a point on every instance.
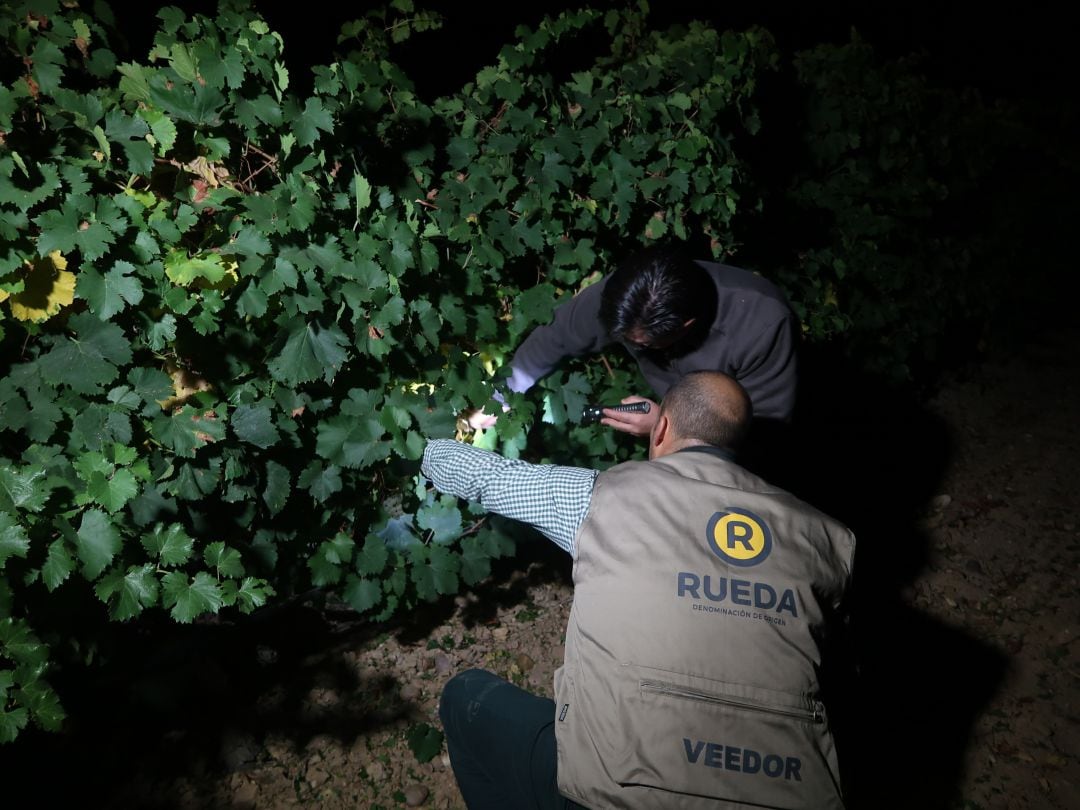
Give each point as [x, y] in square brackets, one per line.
[170, 545]
[22, 489]
[88, 361]
[13, 539]
[98, 541]
[224, 560]
[109, 294]
[253, 424]
[188, 430]
[58, 565]
[310, 352]
[251, 594]
[362, 593]
[128, 593]
[442, 519]
[186, 599]
[424, 741]
[278, 487]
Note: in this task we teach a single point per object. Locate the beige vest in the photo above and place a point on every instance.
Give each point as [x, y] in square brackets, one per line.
[701, 594]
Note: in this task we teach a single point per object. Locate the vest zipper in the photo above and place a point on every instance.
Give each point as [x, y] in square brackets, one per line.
[659, 687]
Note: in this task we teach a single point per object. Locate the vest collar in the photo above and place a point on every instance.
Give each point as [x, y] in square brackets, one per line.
[720, 452]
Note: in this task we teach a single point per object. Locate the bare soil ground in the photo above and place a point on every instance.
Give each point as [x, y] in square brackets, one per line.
[967, 695]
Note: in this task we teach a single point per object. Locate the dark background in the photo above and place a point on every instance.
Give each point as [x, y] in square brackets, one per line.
[1023, 50]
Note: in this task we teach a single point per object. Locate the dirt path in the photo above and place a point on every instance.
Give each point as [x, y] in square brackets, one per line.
[1005, 569]
[967, 624]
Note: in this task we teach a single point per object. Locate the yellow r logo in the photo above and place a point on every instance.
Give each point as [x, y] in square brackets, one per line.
[739, 537]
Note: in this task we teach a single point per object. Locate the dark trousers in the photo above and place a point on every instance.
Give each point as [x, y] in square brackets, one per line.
[501, 741]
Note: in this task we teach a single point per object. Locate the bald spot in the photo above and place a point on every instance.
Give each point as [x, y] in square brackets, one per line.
[708, 407]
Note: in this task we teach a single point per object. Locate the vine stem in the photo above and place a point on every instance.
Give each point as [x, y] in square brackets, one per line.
[607, 365]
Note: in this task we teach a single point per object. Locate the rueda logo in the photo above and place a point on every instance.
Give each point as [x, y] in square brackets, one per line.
[739, 537]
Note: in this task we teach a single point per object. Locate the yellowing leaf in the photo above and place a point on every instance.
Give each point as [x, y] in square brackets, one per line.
[226, 282]
[491, 362]
[201, 167]
[49, 287]
[145, 198]
[186, 384]
[830, 296]
[213, 174]
[205, 270]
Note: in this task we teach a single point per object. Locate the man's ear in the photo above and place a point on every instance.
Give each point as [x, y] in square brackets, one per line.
[659, 435]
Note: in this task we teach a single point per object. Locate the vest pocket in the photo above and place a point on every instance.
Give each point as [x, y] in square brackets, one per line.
[814, 715]
[720, 741]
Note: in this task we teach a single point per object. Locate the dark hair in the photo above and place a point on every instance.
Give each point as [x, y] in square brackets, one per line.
[654, 292]
[710, 407]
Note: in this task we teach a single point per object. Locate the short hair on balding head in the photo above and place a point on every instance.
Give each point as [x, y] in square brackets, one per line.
[709, 407]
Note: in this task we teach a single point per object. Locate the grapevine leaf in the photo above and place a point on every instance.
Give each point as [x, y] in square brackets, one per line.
[361, 593]
[58, 564]
[398, 533]
[321, 481]
[187, 599]
[324, 571]
[108, 294]
[161, 333]
[112, 490]
[150, 384]
[47, 288]
[22, 489]
[188, 429]
[424, 741]
[326, 564]
[576, 393]
[349, 441]
[185, 270]
[252, 594]
[12, 720]
[373, 556]
[98, 541]
[134, 84]
[225, 560]
[162, 128]
[13, 539]
[310, 352]
[444, 567]
[434, 571]
[99, 426]
[88, 361]
[249, 242]
[253, 424]
[43, 703]
[307, 123]
[128, 594]
[442, 519]
[475, 561]
[361, 192]
[536, 304]
[169, 545]
[278, 487]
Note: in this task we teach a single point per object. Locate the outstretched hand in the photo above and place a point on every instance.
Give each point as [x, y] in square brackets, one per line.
[478, 420]
[636, 424]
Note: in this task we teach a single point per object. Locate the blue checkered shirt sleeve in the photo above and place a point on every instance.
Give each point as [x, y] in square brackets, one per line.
[554, 499]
